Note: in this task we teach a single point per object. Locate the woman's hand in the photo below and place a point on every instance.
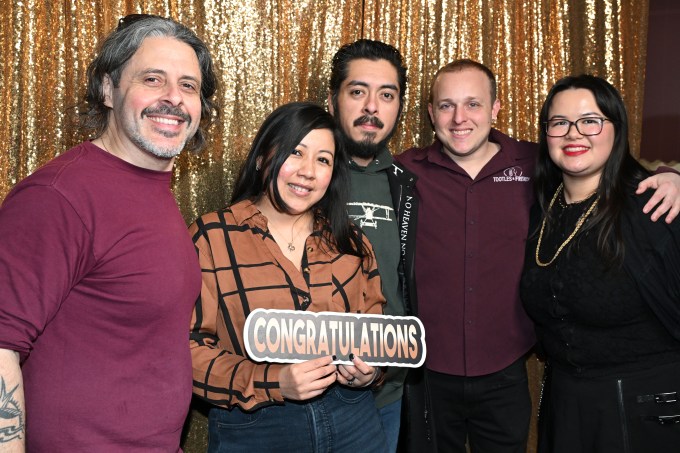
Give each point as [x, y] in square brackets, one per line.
[359, 375]
[302, 381]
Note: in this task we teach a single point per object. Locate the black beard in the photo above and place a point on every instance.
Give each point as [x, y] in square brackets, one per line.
[365, 149]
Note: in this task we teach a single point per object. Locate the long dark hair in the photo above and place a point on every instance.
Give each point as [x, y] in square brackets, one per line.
[620, 175]
[279, 134]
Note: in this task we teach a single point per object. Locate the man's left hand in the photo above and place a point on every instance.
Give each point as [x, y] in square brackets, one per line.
[666, 198]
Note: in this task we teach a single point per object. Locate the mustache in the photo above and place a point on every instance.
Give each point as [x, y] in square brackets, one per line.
[167, 110]
[367, 119]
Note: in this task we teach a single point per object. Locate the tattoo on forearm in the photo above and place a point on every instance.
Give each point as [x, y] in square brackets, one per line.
[11, 414]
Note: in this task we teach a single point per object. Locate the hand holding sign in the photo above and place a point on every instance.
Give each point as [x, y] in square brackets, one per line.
[305, 380]
[358, 375]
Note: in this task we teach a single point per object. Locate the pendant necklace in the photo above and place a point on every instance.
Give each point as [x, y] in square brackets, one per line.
[579, 224]
[291, 247]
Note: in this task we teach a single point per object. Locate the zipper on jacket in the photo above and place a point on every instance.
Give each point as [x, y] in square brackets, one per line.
[622, 416]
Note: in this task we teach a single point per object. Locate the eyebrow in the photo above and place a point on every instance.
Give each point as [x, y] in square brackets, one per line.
[146, 71]
[582, 115]
[321, 150]
[388, 86]
[467, 99]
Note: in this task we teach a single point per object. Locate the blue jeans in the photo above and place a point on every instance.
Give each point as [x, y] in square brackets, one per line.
[390, 416]
[341, 420]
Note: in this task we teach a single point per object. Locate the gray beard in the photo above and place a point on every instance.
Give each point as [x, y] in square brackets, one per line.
[153, 149]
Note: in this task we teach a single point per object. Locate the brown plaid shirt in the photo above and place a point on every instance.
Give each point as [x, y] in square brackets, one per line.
[243, 269]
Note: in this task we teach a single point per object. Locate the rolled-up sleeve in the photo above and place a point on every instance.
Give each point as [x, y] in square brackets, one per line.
[44, 250]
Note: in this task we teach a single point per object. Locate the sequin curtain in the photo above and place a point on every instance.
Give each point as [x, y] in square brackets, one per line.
[529, 44]
[269, 52]
[273, 51]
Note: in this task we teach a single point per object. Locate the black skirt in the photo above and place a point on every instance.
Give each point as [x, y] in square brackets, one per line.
[637, 412]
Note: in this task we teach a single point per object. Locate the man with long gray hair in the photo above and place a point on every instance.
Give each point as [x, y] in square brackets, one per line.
[98, 275]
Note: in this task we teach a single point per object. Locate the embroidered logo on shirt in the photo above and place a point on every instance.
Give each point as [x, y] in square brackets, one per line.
[370, 213]
[511, 174]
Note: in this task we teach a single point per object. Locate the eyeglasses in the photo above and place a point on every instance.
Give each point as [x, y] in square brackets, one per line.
[591, 125]
[124, 22]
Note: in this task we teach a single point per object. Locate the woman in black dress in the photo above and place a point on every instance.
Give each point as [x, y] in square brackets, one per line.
[602, 283]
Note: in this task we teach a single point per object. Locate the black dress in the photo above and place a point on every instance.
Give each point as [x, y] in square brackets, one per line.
[609, 352]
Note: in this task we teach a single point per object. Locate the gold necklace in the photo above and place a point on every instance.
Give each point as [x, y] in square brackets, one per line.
[291, 247]
[579, 224]
[574, 203]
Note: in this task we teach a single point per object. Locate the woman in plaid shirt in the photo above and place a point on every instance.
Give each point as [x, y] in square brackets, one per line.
[285, 242]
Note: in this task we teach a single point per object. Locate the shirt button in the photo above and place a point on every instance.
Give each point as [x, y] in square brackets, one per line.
[472, 222]
[470, 289]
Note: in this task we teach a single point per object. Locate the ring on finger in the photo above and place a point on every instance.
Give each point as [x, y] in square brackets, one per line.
[350, 382]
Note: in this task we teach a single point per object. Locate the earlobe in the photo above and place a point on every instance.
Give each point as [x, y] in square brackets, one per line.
[107, 91]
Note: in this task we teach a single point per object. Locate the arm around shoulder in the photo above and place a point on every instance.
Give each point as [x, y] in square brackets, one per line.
[666, 198]
[12, 407]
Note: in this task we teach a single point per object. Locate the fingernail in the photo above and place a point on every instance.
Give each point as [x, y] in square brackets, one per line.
[334, 358]
[351, 356]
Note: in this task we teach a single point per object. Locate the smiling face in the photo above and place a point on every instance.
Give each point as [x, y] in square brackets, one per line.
[462, 112]
[156, 108]
[367, 103]
[580, 157]
[305, 175]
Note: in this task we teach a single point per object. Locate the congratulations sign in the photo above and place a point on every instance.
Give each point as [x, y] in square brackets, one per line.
[290, 336]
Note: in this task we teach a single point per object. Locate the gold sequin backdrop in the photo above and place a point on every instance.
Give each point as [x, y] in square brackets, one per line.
[268, 52]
